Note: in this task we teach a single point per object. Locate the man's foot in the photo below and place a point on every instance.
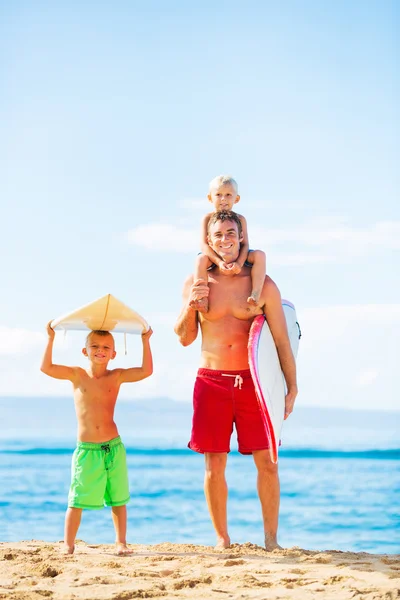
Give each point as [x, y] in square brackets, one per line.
[66, 549]
[222, 543]
[122, 549]
[254, 299]
[200, 305]
[271, 543]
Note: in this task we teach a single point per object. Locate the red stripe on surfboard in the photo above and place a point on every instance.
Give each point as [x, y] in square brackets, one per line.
[254, 340]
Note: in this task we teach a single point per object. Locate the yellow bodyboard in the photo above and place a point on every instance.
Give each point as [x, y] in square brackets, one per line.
[106, 314]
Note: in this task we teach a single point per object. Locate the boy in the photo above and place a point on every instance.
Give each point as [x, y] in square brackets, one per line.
[223, 194]
[99, 472]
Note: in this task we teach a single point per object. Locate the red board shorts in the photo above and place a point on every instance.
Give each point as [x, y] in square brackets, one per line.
[220, 399]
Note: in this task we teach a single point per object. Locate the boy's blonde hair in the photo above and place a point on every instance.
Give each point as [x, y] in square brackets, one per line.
[99, 332]
[222, 180]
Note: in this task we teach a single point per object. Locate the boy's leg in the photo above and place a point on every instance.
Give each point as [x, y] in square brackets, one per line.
[72, 522]
[200, 273]
[258, 259]
[119, 517]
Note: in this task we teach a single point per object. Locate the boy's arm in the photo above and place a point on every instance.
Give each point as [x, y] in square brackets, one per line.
[47, 366]
[187, 324]
[244, 244]
[275, 316]
[139, 373]
[205, 248]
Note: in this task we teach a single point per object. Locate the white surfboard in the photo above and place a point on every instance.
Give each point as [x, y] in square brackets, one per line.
[106, 313]
[267, 374]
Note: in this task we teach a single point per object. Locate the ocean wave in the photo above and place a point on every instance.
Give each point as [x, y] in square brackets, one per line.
[295, 453]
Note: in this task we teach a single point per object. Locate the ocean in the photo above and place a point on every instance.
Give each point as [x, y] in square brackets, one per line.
[339, 473]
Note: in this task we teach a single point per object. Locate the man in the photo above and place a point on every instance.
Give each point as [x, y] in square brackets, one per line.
[224, 391]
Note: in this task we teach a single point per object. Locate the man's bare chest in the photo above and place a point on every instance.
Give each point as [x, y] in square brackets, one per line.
[228, 298]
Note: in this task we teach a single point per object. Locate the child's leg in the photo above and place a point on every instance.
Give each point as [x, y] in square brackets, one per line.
[200, 272]
[72, 522]
[258, 260]
[119, 517]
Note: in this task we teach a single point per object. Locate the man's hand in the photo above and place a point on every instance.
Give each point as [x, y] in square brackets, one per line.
[198, 291]
[50, 331]
[289, 401]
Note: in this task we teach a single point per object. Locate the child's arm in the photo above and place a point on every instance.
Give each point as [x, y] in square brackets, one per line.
[205, 248]
[47, 367]
[235, 267]
[139, 373]
[244, 244]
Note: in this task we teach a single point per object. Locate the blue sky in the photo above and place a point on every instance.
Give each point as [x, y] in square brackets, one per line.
[115, 118]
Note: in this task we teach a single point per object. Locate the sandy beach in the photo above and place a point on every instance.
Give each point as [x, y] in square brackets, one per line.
[35, 570]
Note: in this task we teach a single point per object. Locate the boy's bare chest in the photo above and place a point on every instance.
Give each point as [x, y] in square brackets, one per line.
[104, 387]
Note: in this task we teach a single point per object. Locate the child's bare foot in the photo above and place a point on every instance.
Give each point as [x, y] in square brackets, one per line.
[200, 305]
[66, 549]
[254, 299]
[222, 543]
[122, 549]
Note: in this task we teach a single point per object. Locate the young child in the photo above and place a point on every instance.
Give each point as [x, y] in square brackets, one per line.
[223, 194]
[99, 471]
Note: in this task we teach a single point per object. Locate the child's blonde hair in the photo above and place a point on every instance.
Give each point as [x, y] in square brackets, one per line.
[222, 180]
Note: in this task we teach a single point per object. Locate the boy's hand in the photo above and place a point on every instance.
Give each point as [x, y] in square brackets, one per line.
[50, 331]
[235, 268]
[146, 335]
[230, 268]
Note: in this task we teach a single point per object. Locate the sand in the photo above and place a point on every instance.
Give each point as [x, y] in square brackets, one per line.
[36, 570]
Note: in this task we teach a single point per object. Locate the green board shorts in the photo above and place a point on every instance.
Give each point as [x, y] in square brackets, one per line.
[99, 475]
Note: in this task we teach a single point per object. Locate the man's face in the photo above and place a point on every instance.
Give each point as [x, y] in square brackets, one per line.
[223, 197]
[99, 348]
[223, 238]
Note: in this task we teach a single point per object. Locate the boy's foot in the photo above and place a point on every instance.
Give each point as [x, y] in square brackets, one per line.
[253, 300]
[67, 549]
[222, 543]
[200, 305]
[122, 549]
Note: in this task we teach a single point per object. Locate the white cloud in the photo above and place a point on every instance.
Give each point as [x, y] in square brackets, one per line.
[19, 341]
[168, 238]
[319, 241]
[365, 378]
[197, 204]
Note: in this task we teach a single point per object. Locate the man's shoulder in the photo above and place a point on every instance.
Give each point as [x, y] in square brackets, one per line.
[270, 291]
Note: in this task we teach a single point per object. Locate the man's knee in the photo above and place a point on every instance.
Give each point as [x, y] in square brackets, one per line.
[264, 464]
[215, 465]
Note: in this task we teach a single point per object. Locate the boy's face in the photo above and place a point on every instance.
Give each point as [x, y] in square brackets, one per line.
[224, 239]
[99, 348]
[223, 197]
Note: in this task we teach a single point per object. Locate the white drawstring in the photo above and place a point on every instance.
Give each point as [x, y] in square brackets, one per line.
[238, 379]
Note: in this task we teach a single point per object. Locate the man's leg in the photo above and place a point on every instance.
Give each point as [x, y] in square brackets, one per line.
[269, 493]
[216, 492]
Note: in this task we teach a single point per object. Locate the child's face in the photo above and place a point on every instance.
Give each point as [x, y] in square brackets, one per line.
[99, 348]
[223, 197]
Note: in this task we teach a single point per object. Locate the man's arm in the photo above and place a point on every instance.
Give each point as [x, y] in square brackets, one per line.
[187, 324]
[275, 316]
[139, 373]
[47, 367]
